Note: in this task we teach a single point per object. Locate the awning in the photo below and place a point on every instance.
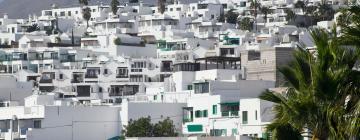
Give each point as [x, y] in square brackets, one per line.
[231, 103]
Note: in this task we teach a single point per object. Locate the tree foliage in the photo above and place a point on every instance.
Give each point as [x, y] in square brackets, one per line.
[255, 6]
[351, 26]
[300, 4]
[139, 128]
[246, 24]
[231, 16]
[144, 128]
[133, 1]
[87, 15]
[33, 28]
[221, 18]
[165, 128]
[290, 15]
[84, 2]
[322, 94]
[325, 12]
[161, 6]
[114, 6]
[117, 41]
[265, 10]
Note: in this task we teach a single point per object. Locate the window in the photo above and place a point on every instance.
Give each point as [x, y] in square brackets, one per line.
[253, 55]
[171, 9]
[37, 123]
[205, 113]
[94, 10]
[214, 107]
[100, 89]
[218, 132]
[76, 12]
[201, 87]
[122, 72]
[61, 76]
[62, 13]
[198, 114]
[105, 71]
[178, 9]
[231, 51]
[242, 4]
[234, 132]
[244, 117]
[189, 87]
[69, 13]
[136, 78]
[155, 97]
[255, 114]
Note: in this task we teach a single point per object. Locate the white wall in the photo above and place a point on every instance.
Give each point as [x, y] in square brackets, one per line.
[10, 87]
[78, 123]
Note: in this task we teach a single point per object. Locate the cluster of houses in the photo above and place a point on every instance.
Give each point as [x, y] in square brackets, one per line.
[62, 80]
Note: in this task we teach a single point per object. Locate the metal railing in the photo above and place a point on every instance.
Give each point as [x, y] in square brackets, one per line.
[230, 113]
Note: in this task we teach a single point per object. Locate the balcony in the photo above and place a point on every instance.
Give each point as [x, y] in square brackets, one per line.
[230, 109]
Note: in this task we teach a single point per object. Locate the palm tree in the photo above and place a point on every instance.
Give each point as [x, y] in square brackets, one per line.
[301, 5]
[161, 6]
[265, 10]
[84, 2]
[114, 6]
[310, 12]
[255, 5]
[325, 11]
[87, 15]
[86, 12]
[322, 94]
[351, 27]
[290, 15]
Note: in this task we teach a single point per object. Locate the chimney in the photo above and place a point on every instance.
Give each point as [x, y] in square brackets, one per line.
[6, 16]
[141, 3]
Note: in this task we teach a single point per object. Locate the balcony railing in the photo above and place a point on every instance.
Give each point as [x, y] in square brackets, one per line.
[91, 76]
[185, 120]
[122, 76]
[2, 135]
[23, 131]
[230, 113]
[76, 81]
[46, 81]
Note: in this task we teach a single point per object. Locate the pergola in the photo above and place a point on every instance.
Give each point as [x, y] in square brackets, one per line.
[232, 61]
